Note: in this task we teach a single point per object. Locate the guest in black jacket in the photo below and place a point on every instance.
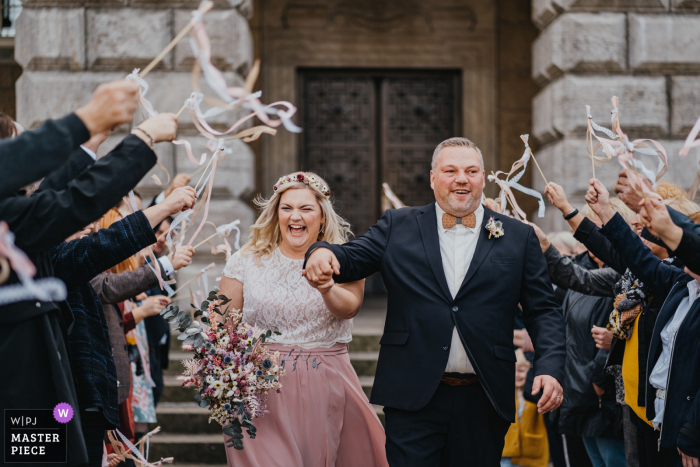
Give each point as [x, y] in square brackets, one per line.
[76, 263]
[41, 370]
[31, 155]
[674, 351]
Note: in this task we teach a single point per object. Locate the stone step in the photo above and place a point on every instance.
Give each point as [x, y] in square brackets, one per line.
[185, 417]
[365, 341]
[190, 448]
[364, 362]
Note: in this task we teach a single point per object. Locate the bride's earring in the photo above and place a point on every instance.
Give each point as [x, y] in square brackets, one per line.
[321, 231]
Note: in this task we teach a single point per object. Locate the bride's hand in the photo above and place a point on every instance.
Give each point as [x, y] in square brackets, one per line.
[325, 288]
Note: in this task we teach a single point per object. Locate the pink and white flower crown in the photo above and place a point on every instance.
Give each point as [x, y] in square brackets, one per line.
[306, 180]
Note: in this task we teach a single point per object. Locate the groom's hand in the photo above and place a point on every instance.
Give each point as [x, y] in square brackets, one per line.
[320, 267]
[552, 393]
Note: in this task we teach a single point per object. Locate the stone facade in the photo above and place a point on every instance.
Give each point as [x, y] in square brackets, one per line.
[589, 50]
[68, 47]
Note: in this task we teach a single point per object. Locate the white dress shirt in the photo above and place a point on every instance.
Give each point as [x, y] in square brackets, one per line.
[659, 375]
[457, 246]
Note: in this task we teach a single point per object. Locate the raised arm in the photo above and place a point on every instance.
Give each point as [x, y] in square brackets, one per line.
[585, 231]
[35, 154]
[49, 216]
[639, 259]
[352, 261]
[115, 288]
[78, 261]
[566, 273]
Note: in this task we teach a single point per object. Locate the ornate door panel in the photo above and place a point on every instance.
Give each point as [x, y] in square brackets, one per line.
[365, 128]
[340, 143]
[417, 114]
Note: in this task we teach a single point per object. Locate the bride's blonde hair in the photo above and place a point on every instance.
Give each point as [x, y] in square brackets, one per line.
[265, 234]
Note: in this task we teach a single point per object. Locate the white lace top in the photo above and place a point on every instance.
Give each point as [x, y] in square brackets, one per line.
[275, 294]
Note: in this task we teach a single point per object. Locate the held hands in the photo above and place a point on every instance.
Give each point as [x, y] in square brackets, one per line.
[182, 257]
[112, 104]
[180, 199]
[162, 127]
[602, 337]
[552, 393]
[320, 267]
[179, 181]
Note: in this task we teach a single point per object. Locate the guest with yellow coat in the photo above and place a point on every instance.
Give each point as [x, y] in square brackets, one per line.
[526, 443]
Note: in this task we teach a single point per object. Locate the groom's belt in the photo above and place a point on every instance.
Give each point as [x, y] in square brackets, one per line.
[459, 379]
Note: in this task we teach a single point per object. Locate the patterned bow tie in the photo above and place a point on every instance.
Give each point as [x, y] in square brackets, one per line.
[449, 221]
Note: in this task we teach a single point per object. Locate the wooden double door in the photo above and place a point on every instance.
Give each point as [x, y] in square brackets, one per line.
[362, 129]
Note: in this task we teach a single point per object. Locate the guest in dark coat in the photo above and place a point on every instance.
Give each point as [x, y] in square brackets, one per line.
[31, 155]
[673, 349]
[40, 222]
[75, 263]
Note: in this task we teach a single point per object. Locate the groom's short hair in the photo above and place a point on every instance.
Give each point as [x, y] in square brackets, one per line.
[457, 141]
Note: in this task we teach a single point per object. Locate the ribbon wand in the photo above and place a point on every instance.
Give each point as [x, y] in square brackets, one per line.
[525, 138]
[203, 8]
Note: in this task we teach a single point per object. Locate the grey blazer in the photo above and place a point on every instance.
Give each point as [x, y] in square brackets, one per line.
[111, 290]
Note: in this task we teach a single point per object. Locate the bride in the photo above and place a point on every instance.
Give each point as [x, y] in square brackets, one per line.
[321, 417]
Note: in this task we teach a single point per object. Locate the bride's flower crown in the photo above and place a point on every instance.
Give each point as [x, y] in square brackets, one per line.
[303, 178]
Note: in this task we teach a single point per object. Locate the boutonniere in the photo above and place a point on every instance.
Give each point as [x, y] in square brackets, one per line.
[495, 228]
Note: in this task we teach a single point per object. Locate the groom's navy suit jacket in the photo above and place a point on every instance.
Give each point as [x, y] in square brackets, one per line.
[404, 247]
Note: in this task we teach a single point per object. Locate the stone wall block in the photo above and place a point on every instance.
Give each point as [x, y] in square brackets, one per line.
[73, 3]
[38, 93]
[580, 42]
[545, 11]
[235, 173]
[618, 5]
[231, 41]
[124, 39]
[51, 38]
[685, 104]
[168, 90]
[642, 101]
[542, 119]
[664, 43]
[685, 5]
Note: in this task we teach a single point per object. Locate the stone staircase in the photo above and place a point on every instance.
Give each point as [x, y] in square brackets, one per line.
[186, 434]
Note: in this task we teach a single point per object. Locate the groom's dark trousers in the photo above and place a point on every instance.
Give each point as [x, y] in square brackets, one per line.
[429, 423]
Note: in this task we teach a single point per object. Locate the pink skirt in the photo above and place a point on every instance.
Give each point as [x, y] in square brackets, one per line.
[321, 418]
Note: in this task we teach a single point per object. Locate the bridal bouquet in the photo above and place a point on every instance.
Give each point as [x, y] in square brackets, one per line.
[232, 368]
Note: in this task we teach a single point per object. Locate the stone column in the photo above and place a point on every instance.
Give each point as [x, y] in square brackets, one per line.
[68, 47]
[644, 52]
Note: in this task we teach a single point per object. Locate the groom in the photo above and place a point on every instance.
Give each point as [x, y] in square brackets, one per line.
[446, 370]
